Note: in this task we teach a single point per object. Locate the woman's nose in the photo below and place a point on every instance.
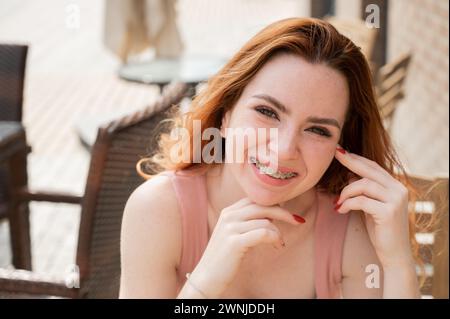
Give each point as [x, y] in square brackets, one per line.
[286, 146]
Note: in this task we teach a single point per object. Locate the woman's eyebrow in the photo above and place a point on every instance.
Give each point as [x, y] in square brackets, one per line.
[284, 109]
[274, 102]
[323, 120]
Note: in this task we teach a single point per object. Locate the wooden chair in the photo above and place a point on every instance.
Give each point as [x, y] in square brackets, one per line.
[13, 175]
[111, 179]
[390, 86]
[12, 78]
[357, 31]
[432, 204]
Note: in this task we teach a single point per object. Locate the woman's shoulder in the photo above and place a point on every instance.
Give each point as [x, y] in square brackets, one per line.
[154, 194]
[151, 231]
[160, 190]
[358, 249]
[153, 203]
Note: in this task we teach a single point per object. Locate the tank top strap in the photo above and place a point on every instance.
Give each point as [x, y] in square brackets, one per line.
[190, 190]
[329, 236]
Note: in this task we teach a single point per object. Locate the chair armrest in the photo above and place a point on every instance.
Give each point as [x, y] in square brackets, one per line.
[25, 195]
[27, 282]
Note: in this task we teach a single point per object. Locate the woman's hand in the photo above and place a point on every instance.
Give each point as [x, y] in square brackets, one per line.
[384, 200]
[240, 227]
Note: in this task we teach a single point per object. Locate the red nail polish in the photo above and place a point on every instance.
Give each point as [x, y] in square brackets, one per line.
[336, 207]
[299, 219]
[341, 150]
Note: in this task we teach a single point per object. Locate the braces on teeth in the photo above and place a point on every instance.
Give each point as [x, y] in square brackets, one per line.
[270, 171]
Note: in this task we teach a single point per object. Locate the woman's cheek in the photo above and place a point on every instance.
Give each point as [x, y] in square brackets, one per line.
[319, 159]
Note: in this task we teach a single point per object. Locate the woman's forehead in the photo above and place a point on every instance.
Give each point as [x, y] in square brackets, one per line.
[297, 83]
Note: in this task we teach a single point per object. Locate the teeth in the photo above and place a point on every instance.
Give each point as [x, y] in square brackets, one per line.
[270, 171]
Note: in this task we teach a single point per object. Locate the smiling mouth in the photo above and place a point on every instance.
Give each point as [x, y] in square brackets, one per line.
[264, 169]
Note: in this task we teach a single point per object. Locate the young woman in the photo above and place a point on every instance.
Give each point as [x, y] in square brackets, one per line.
[330, 221]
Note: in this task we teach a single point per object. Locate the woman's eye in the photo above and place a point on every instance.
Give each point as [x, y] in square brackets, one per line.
[320, 131]
[267, 112]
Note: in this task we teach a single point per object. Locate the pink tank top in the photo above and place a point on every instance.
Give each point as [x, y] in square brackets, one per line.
[329, 232]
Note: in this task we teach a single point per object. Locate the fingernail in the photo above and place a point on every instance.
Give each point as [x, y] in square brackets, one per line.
[341, 150]
[299, 219]
[337, 206]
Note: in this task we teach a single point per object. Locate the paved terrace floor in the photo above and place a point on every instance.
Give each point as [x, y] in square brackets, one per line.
[71, 76]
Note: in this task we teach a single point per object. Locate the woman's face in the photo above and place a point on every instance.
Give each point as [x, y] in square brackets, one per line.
[307, 104]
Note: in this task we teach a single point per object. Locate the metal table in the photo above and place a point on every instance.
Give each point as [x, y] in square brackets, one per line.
[189, 70]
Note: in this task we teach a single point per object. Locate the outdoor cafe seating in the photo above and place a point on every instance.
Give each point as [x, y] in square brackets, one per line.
[111, 179]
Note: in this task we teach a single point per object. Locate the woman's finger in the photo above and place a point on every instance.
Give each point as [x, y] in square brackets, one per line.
[241, 203]
[255, 211]
[362, 203]
[364, 186]
[249, 225]
[260, 236]
[364, 167]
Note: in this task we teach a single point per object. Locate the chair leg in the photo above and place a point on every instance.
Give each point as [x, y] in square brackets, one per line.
[19, 224]
[18, 211]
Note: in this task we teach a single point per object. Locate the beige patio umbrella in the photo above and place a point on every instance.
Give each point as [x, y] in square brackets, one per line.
[132, 26]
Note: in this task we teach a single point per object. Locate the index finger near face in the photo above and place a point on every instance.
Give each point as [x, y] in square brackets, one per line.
[255, 211]
[364, 167]
[241, 203]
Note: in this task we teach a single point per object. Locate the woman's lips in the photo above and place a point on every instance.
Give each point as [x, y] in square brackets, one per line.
[271, 180]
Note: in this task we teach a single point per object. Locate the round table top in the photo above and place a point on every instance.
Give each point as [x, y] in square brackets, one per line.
[162, 71]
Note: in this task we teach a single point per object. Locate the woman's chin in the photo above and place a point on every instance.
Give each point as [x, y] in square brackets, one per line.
[264, 198]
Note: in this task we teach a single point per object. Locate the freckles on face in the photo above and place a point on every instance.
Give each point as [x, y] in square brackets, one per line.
[317, 158]
[307, 104]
